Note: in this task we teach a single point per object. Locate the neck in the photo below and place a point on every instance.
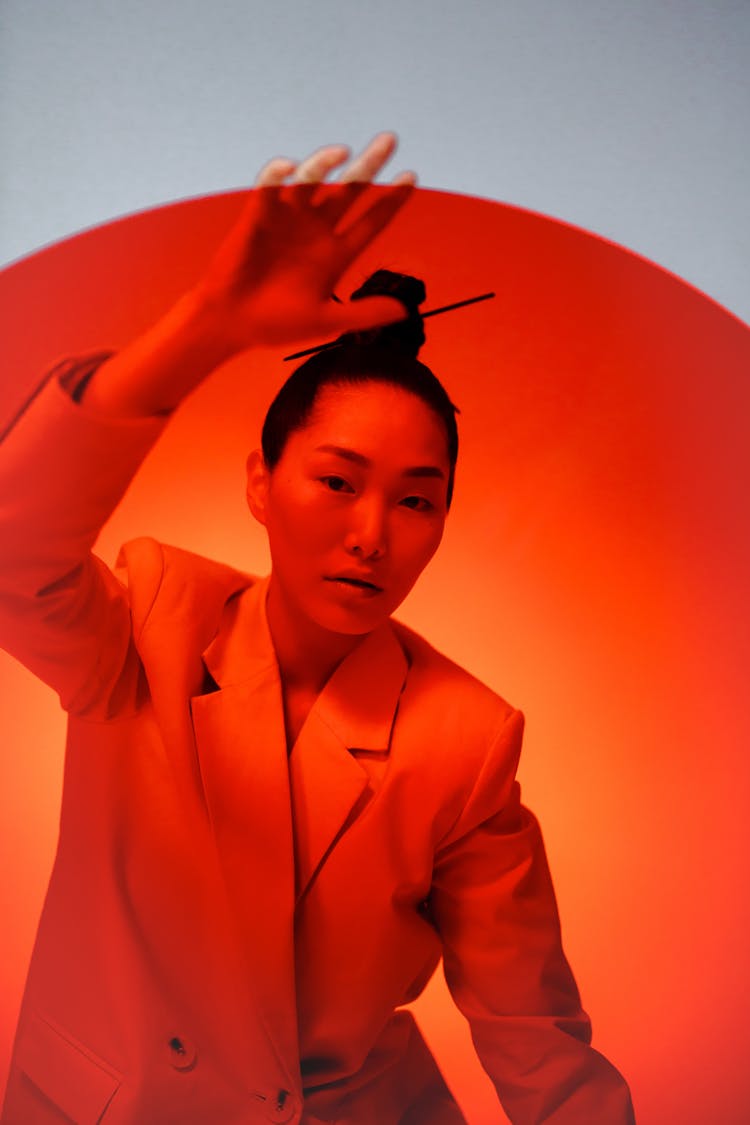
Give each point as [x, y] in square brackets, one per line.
[306, 653]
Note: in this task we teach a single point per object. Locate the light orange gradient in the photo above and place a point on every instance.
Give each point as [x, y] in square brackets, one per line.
[594, 573]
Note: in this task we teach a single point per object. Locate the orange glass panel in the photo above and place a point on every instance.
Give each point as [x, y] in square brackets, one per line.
[594, 572]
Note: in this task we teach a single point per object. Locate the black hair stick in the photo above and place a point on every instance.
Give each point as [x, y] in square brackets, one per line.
[431, 312]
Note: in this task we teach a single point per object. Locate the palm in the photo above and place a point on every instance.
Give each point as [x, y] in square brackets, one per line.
[272, 278]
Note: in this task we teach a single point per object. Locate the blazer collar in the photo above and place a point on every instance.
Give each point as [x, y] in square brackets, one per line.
[276, 819]
[242, 648]
[330, 784]
[358, 703]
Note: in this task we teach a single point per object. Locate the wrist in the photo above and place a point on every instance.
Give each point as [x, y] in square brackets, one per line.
[154, 372]
[199, 327]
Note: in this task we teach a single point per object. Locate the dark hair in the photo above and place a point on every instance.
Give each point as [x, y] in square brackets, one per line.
[385, 355]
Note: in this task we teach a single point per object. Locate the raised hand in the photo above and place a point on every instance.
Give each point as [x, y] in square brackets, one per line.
[272, 278]
[270, 281]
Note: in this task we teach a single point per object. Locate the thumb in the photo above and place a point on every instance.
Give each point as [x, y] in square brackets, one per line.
[366, 312]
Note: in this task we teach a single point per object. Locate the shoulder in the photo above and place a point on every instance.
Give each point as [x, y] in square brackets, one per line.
[461, 739]
[167, 582]
[450, 692]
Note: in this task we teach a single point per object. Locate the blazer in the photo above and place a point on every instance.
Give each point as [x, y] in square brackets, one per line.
[229, 932]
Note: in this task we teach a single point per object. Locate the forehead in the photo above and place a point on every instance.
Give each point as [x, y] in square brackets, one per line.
[378, 420]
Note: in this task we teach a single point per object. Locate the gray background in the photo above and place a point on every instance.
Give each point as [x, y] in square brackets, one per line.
[628, 119]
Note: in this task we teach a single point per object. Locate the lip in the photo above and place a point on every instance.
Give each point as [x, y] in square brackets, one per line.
[357, 580]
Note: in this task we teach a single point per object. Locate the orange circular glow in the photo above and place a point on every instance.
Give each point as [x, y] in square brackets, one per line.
[594, 572]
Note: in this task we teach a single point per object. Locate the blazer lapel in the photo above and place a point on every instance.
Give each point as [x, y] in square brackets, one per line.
[241, 746]
[355, 711]
[274, 818]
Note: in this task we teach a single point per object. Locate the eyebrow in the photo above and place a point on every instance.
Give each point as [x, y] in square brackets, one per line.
[365, 462]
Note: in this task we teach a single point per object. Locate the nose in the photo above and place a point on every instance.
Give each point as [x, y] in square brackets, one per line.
[367, 535]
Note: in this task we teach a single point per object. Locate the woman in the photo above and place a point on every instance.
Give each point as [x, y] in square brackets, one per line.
[280, 807]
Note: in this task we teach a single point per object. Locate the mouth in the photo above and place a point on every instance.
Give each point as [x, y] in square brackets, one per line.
[354, 583]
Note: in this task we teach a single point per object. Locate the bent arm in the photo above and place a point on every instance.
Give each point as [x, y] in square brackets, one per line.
[495, 908]
[65, 464]
[63, 614]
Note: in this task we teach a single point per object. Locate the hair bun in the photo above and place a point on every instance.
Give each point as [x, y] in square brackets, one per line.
[407, 336]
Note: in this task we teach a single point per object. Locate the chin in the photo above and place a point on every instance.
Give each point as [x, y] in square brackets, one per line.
[351, 624]
[354, 619]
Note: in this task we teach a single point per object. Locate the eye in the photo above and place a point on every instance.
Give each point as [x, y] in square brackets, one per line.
[417, 504]
[336, 484]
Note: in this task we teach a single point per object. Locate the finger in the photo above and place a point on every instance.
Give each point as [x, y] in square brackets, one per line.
[334, 200]
[321, 163]
[275, 172]
[404, 178]
[369, 162]
[368, 312]
[390, 199]
[300, 196]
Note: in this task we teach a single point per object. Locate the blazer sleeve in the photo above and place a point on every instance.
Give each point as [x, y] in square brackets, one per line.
[63, 613]
[494, 905]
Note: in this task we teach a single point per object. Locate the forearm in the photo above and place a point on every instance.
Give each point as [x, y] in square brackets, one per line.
[494, 906]
[157, 370]
[543, 1072]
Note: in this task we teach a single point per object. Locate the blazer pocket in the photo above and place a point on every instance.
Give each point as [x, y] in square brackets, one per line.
[69, 1074]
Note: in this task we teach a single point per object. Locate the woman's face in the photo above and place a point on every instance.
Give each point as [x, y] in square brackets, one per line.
[355, 507]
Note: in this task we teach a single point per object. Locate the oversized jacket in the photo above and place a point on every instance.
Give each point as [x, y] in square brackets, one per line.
[230, 931]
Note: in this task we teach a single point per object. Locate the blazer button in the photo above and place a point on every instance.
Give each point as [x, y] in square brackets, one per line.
[181, 1053]
[281, 1107]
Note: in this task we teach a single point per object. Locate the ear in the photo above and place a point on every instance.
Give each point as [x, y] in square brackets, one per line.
[258, 479]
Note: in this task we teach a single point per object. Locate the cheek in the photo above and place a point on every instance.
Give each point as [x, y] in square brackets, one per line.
[419, 544]
[301, 524]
